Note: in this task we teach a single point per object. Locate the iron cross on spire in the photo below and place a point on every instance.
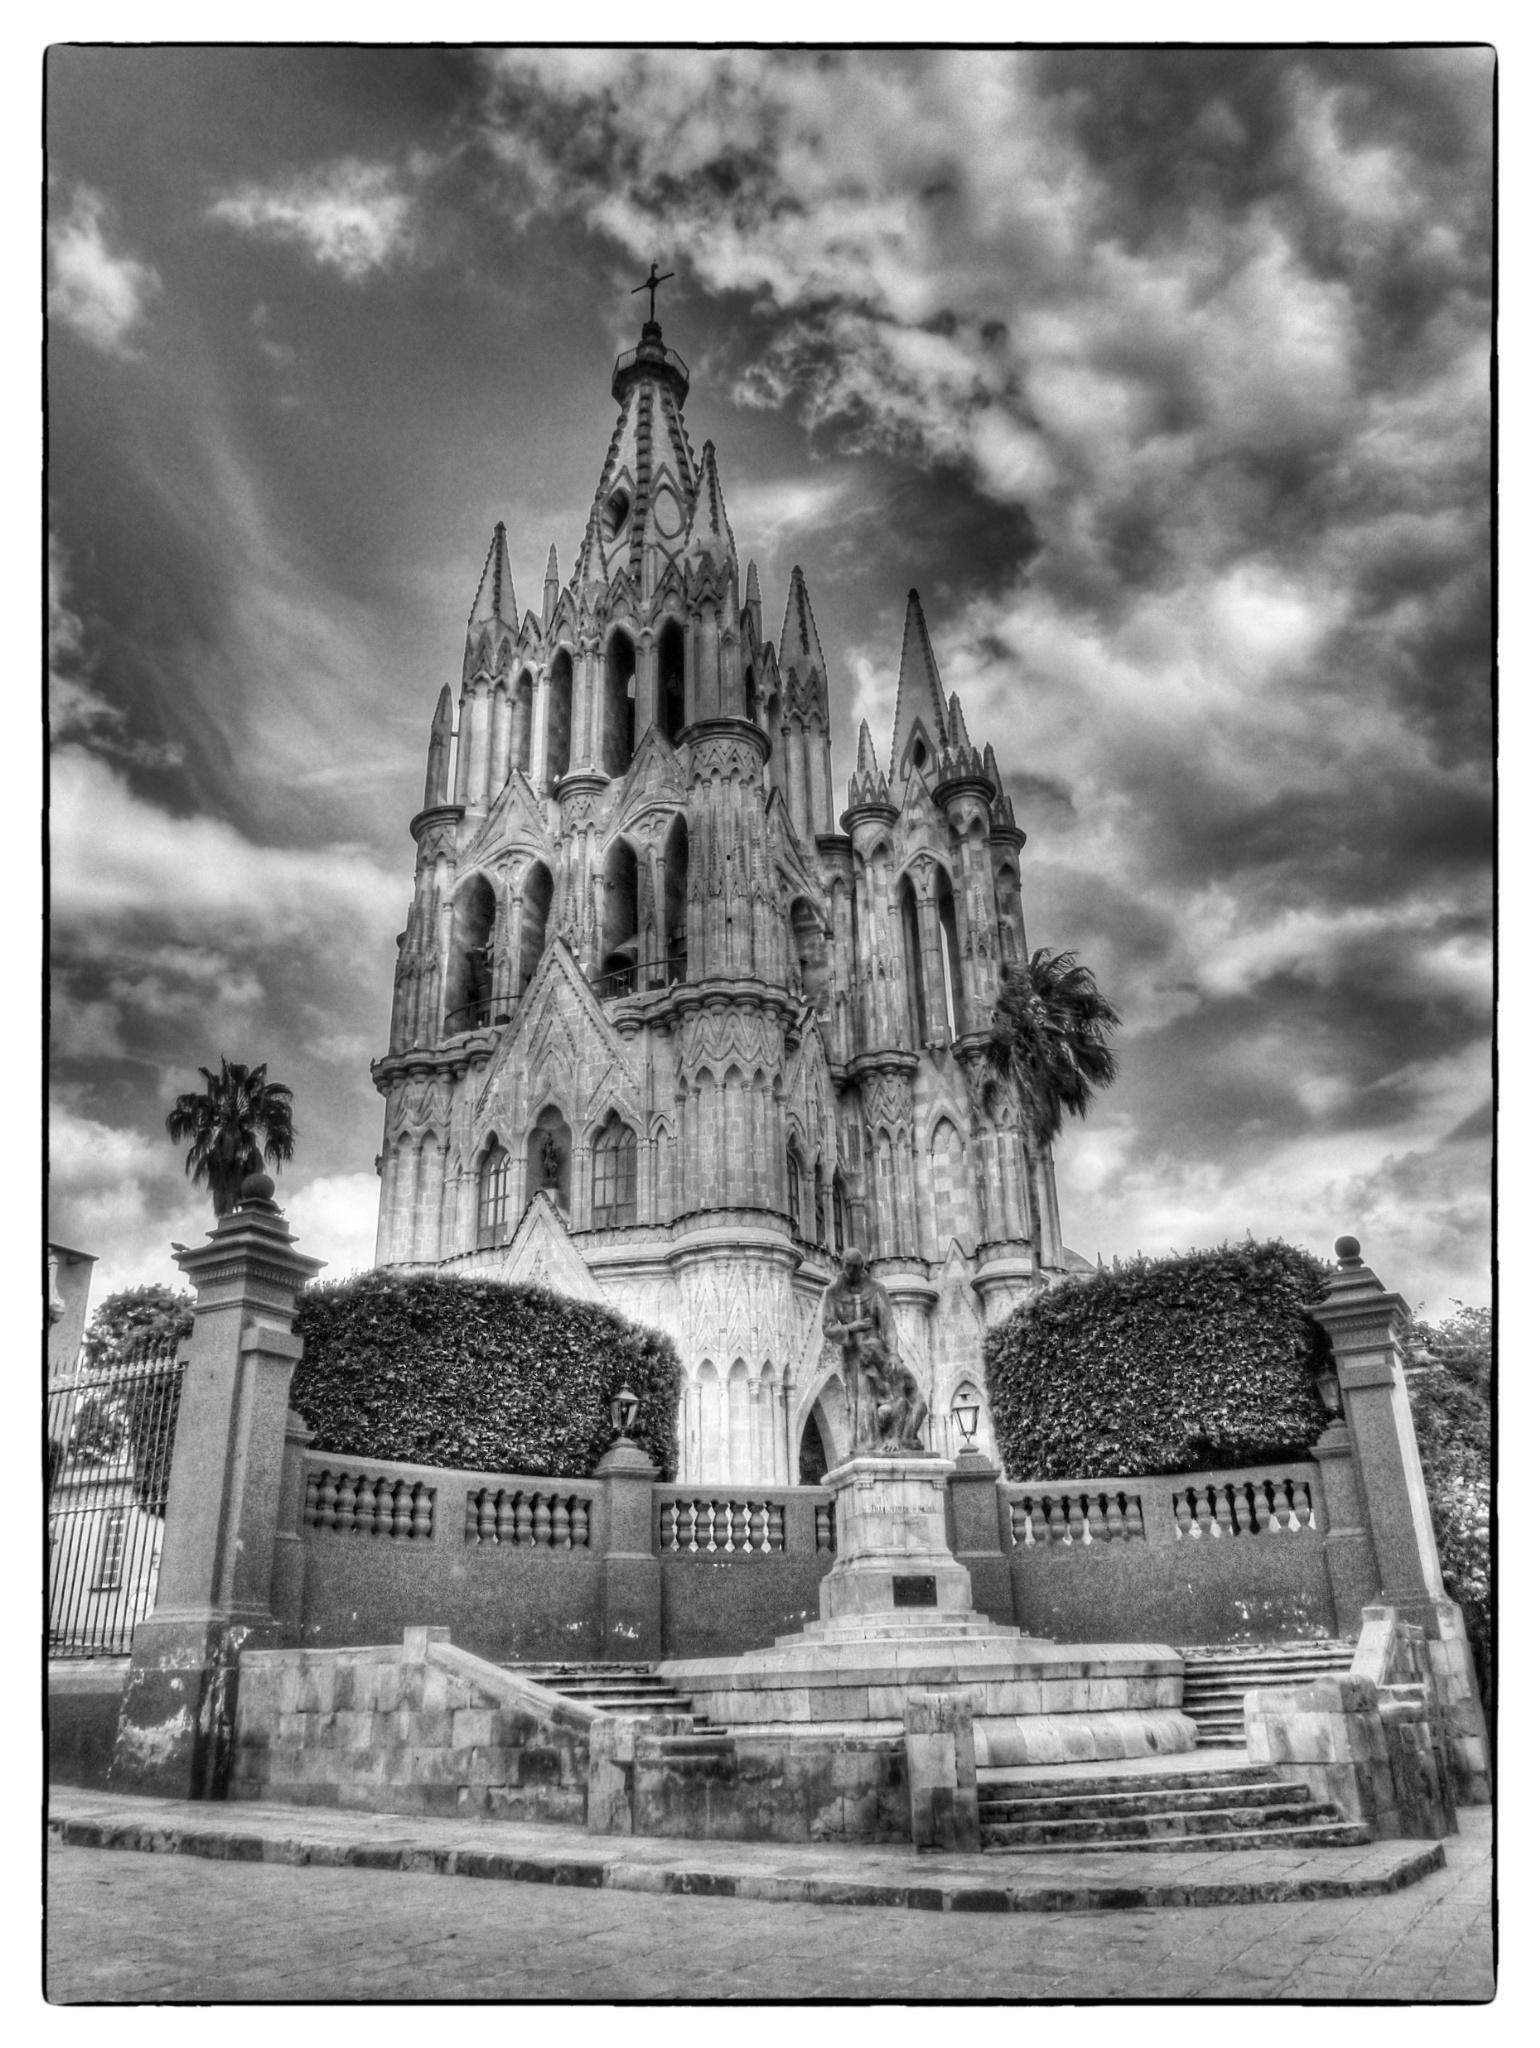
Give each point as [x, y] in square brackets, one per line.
[650, 286]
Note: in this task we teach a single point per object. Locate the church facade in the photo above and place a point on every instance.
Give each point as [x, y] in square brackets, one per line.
[668, 1030]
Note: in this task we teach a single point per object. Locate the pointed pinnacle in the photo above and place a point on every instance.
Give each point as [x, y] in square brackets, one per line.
[957, 731]
[709, 531]
[751, 589]
[495, 597]
[919, 684]
[552, 572]
[800, 645]
[866, 753]
[591, 566]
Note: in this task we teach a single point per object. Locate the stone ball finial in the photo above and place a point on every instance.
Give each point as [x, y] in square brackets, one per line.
[1347, 1250]
[257, 1187]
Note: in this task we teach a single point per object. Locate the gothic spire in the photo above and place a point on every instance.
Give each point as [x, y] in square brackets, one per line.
[709, 533]
[752, 602]
[551, 594]
[590, 566]
[800, 647]
[956, 730]
[919, 685]
[495, 599]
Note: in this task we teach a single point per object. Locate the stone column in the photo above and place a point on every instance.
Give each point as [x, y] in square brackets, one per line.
[942, 1772]
[218, 1556]
[973, 1497]
[1365, 1323]
[631, 1597]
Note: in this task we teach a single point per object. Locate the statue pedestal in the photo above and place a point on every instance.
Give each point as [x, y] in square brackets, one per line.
[890, 1518]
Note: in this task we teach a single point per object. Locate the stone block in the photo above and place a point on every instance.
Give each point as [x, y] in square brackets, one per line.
[471, 1725]
[387, 1688]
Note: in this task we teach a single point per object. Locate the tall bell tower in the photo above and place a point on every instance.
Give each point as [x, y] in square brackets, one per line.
[666, 1031]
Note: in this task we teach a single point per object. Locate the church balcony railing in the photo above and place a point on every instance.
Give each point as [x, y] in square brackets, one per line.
[474, 1017]
[642, 977]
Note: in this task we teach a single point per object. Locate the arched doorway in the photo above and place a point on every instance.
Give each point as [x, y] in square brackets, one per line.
[468, 987]
[558, 721]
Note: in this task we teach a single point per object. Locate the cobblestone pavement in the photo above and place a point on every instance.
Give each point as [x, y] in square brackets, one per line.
[124, 1927]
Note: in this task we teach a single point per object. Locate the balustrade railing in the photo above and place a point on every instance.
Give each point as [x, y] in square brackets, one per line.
[1048, 1516]
[361, 1504]
[721, 1525]
[825, 1535]
[528, 1520]
[1076, 1513]
[1251, 1507]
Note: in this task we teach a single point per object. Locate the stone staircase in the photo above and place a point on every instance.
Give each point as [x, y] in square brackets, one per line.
[615, 1688]
[1243, 1806]
[1219, 1675]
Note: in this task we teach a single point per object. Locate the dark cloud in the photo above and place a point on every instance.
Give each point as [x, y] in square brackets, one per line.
[1161, 373]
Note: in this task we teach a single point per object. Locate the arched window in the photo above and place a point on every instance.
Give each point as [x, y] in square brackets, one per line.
[740, 1437]
[794, 1189]
[914, 985]
[709, 1397]
[468, 986]
[536, 900]
[614, 1175]
[523, 721]
[951, 956]
[820, 1205]
[558, 721]
[676, 874]
[617, 963]
[618, 739]
[671, 680]
[492, 1196]
[548, 1160]
[839, 1214]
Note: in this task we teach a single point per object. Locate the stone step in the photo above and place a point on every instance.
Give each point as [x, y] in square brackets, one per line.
[1054, 1783]
[1190, 1820]
[1112, 1805]
[1338, 1834]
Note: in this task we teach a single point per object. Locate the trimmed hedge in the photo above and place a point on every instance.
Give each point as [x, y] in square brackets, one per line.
[479, 1374]
[1161, 1365]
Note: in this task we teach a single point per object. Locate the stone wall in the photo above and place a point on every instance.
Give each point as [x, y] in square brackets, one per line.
[1237, 1555]
[420, 1727]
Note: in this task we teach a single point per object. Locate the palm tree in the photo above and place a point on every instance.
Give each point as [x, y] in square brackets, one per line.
[1050, 1043]
[240, 1120]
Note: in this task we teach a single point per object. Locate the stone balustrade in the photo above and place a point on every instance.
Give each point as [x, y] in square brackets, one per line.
[690, 1522]
[528, 1516]
[1049, 1516]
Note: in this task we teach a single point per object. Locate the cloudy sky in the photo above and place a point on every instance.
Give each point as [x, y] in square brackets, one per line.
[1163, 375]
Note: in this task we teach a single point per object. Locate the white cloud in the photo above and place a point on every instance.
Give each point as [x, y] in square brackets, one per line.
[349, 216]
[118, 858]
[334, 1218]
[99, 292]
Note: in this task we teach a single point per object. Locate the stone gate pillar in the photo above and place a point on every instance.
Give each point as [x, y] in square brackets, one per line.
[1366, 1323]
[222, 1511]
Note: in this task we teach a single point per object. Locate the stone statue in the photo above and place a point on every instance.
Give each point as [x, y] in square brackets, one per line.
[886, 1405]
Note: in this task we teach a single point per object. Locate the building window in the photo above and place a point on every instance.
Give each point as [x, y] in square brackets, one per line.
[109, 1552]
[794, 1189]
[839, 1215]
[492, 1202]
[820, 1223]
[614, 1176]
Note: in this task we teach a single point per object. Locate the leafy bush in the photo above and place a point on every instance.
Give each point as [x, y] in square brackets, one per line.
[1162, 1365]
[460, 1371]
[1452, 1412]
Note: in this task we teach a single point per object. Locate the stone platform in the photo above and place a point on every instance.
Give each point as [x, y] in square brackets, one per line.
[1033, 1702]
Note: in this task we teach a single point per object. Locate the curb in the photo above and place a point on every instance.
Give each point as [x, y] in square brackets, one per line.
[616, 1873]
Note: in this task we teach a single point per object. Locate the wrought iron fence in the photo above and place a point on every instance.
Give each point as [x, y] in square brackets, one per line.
[110, 1434]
